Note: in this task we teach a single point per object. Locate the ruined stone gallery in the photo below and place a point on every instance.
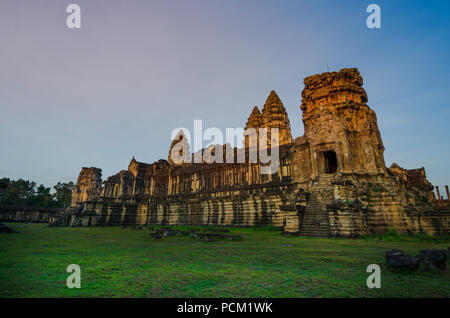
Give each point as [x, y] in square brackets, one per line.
[332, 181]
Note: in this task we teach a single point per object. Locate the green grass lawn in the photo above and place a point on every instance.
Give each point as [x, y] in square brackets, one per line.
[129, 263]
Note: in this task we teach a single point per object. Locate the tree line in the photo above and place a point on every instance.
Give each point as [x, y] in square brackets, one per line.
[25, 192]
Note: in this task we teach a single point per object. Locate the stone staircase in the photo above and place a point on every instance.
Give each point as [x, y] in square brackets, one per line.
[315, 220]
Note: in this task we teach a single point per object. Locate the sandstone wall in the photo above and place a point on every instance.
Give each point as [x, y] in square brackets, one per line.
[245, 207]
[368, 205]
[26, 214]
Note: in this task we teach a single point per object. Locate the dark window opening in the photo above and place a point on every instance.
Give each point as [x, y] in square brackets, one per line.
[330, 161]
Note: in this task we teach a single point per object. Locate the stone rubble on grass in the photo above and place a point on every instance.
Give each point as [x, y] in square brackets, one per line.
[398, 259]
[195, 234]
[6, 229]
[437, 258]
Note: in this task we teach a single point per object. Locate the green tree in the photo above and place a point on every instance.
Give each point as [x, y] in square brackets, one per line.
[25, 192]
[63, 193]
[18, 192]
[42, 197]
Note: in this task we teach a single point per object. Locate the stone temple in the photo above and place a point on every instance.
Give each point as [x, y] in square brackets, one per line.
[332, 181]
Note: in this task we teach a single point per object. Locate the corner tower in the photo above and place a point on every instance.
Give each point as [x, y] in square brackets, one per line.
[341, 129]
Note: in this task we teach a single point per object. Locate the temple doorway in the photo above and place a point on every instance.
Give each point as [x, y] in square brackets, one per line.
[330, 162]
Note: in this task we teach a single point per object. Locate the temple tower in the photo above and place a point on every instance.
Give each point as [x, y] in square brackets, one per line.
[341, 129]
[254, 121]
[274, 115]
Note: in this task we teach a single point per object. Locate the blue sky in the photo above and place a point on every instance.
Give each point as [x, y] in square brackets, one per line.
[137, 69]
